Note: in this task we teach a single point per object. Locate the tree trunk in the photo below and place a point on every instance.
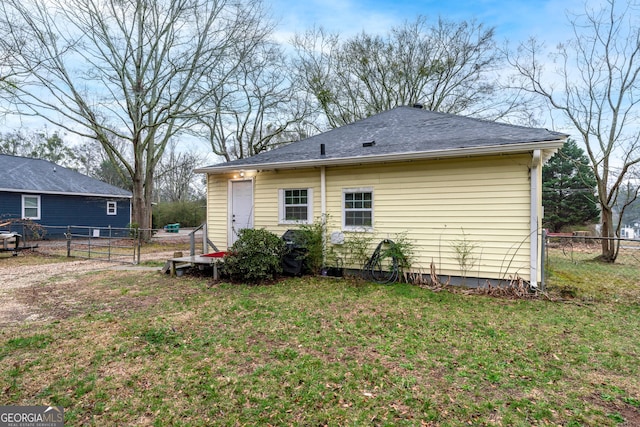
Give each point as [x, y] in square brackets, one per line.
[147, 199]
[141, 207]
[138, 206]
[609, 252]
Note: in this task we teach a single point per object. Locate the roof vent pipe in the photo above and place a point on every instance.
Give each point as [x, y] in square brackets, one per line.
[322, 150]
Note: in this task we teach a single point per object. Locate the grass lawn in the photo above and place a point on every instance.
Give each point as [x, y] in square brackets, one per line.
[139, 348]
[576, 273]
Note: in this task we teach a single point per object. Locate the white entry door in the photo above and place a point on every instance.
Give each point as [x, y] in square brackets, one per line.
[241, 208]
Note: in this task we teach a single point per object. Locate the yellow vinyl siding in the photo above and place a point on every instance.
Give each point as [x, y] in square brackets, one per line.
[266, 195]
[432, 201]
[217, 206]
[265, 200]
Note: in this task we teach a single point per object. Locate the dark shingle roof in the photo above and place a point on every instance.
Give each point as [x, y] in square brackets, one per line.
[402, 131]
[41, 176]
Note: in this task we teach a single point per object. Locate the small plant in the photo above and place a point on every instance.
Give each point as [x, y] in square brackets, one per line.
[311, 238]
[333, 263]
[134, 230]
[401, 248]
[356, 249]
[390, 260]
[255, 257]
[464, 255]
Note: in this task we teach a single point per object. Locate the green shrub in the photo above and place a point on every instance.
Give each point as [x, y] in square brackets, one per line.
[187, 213]
[255, 257]
[134, 230]
[402, 250]
[310, 237]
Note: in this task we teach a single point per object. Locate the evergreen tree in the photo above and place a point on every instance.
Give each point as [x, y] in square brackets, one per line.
[568, 189]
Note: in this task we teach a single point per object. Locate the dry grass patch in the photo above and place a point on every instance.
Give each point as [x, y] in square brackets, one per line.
[28, 258]
[576, 273]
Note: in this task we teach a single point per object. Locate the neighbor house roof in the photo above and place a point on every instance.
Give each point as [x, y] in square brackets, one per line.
[402, 133]
[26, 175]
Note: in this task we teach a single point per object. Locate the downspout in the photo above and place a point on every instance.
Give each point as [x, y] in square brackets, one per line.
[534, 218]
[323, 193]
[323, 211]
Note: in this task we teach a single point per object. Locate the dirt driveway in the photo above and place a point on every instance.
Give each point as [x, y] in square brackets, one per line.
[15, 279]
[20, 278]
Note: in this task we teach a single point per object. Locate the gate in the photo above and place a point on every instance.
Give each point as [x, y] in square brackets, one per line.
[104, 243]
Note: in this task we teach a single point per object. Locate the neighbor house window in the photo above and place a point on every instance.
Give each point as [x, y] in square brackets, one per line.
[30, 207]
[357, 209]
[112, 208]
[295, 205]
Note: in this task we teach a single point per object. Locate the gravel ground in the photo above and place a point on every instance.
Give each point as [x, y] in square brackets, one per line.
[12, 279]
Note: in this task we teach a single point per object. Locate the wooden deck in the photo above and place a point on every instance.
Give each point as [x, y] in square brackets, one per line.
[194, 260]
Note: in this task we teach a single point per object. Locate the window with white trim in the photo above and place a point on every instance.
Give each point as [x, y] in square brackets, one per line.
[295, 205]
[357, 209]
[30, 206]
[112, 208]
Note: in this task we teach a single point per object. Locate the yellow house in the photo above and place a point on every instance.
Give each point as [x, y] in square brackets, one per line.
[438, 179]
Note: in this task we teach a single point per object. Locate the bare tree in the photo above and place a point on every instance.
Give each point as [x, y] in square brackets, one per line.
[10, 42]
[595, 84]
[90, 156]
[15, 144]
[175, 175]
[447, 66]
[128, 70]
[39, 145]
[256, 110]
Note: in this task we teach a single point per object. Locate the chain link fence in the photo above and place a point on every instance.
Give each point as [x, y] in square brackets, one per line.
[101, 243]
[573, 263]
[119, 245]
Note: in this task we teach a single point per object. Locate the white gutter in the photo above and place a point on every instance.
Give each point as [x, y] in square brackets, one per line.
[534, 232]
[394, 157]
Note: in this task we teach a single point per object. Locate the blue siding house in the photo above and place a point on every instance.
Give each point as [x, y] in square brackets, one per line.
[54, 196]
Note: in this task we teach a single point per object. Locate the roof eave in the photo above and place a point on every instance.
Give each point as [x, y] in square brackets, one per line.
[396, 157]
[25, 191]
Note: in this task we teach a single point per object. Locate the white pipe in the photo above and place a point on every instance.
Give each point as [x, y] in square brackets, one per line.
[534, 218]
[323, 192]
[323, 210]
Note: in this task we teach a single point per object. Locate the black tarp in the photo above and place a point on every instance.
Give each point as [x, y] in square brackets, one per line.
[293, 260]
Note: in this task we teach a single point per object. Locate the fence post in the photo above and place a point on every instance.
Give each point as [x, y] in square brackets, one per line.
[69, 241]
[136, 250]
[109, 245]
[205, 246]
[89, 248]
[543, 258]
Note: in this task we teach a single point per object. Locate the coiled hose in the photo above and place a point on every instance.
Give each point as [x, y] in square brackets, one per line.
[382, 267]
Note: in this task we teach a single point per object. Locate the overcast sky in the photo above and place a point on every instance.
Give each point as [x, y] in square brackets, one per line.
[515, 20]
